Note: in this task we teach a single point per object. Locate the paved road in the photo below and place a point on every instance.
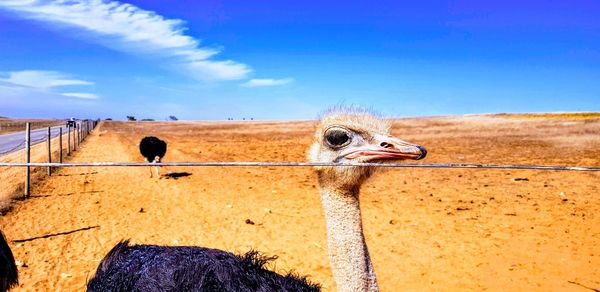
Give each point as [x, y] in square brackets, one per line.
[16, 141]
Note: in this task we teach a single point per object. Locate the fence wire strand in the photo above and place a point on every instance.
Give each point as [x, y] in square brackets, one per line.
[53, 134]
[302, 164]
[13, 149]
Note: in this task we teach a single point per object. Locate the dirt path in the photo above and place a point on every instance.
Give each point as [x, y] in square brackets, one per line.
[427, 229]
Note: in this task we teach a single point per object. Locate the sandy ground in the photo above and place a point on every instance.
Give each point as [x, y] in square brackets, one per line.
[427, 229]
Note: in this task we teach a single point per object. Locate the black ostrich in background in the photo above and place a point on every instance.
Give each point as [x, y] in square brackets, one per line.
[9, 276]
[153, 150]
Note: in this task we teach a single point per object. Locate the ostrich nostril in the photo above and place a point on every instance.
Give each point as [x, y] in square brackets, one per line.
[386, 145]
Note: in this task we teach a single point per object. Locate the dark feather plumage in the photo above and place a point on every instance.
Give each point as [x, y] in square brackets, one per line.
[150, 147]
[188, 268]
[9, 276]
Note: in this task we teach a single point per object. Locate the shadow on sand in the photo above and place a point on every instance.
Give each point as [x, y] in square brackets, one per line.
[56, 234]
[176, 175]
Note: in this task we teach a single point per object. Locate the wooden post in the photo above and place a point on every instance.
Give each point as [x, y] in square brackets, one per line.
[60, 146]
[49, 142]
[68, 140]
[27, 159]
[75, 137]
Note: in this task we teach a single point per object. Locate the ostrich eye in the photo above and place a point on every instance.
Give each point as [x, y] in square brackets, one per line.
[337, 137]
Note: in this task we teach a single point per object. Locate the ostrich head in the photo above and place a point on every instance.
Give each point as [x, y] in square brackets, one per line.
[356, 136]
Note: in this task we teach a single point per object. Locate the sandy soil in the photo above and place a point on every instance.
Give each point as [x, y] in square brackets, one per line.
[427, 229]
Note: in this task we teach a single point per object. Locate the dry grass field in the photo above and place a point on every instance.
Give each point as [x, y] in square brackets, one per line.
[427, 229]
[15, 125]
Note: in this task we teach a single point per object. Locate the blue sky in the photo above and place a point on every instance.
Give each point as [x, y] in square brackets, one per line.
[274, 59]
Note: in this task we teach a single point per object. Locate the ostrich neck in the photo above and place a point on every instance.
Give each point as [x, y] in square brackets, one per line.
[348, 254]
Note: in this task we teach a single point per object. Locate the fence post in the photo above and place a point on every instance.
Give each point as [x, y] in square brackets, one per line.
[49, 142]
[27, 159]
[60, 147]
[68, 140]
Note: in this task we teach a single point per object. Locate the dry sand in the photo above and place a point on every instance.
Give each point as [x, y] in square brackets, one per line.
[427, 229]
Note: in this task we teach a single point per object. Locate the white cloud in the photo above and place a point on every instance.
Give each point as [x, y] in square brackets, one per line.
[41, 83]
[266, 82]
[41, 79]
[133, 30]
[81, 95]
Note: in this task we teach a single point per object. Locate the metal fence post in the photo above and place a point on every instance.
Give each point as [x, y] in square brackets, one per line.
[27, 159]
[49, 142]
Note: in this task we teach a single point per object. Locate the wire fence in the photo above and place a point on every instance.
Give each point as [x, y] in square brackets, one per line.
[41, 137]
[15, 148]
[53, 154]
[84, 128]
[303, 164]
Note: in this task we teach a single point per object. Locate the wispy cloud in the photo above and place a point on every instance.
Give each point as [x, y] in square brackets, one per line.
[130, 29]
[81, 95]
[41, 79]
[266, 82]
[34, 82]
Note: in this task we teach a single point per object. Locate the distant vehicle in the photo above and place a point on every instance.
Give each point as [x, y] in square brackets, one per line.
[71, 123]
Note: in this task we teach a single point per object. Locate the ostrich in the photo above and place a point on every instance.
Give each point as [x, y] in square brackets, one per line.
[342, 136]
[153, 150]
[9, 276]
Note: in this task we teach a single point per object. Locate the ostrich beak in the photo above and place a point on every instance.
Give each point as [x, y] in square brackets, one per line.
[386, 148]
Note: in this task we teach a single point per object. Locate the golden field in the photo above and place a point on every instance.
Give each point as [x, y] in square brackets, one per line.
[427, 229]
